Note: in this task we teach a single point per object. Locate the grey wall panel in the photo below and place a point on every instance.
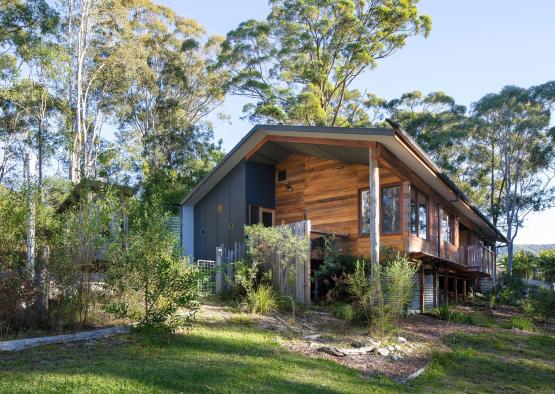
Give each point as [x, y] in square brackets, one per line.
[260, 185]
[229, 193]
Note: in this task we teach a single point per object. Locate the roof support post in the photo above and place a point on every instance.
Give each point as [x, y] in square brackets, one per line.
[374, 212]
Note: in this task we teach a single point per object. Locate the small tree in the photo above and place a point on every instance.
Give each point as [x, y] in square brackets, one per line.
[150, 280]
[267, 243]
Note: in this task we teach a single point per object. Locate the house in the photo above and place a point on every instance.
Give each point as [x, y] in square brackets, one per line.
[374, 187]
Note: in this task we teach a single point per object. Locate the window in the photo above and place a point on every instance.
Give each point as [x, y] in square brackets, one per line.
[447, 228]
[281, 176]
[418, 213]
[391, 210]
[260, 215]
[364, 212]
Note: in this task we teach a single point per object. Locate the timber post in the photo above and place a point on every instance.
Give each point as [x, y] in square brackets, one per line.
[422, 290]
[373, 215]
[434, 285]
[446, 288]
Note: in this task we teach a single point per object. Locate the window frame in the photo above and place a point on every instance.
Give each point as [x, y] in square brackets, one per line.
[450, 223]
[419, 195]
[360, 215]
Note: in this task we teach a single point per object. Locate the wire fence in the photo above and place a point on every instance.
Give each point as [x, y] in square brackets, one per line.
[207, 284]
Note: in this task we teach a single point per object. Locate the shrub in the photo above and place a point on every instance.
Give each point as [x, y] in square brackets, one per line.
[343, 311]
[444, 312]
[331, 274]
[398, 283]
[513, 289]
[527, 307]
[381, 300]
[521, 323]
[153, 285]
[543, 301]
[262, 300]
[492, 301]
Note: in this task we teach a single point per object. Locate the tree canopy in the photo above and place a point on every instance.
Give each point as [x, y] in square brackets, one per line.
[298, 65]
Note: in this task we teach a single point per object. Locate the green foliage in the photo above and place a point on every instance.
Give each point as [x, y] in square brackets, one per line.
[492, 301]
[152, 284]
[361, 290]
[343, 311]
[398, 284]
[525, 264]
[444, 312]
[381, 298]
[547, 264]
[251, 283]
[521, 323]
[262, 300]
[298, 64]
[543, 304]
[512, 290]
[331, 274]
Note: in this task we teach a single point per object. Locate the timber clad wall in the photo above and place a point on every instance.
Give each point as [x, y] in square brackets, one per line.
[329, 190]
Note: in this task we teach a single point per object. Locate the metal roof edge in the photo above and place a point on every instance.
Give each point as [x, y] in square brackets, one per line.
[260, 127]
[406, 136]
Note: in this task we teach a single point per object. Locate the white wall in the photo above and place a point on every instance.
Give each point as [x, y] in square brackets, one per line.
[188, 230]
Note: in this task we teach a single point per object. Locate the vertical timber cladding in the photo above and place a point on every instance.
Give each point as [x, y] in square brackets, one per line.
[329, 191]
[220, 215]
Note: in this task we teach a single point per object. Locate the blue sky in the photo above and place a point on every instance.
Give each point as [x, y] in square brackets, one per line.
[475, 47]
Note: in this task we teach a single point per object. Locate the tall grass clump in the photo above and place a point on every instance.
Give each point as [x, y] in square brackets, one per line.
[381, 297]
[262, 300]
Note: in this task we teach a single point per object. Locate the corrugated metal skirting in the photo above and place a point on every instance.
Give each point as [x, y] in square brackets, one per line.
[428, 293]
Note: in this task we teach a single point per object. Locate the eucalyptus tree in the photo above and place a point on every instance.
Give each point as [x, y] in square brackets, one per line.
[170, 88]
[514, 125]
[298, 66]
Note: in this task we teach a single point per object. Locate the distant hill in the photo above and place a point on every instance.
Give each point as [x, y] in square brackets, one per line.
[535, 249]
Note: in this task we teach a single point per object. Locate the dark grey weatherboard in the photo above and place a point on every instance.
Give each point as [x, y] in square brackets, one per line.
[213, 228]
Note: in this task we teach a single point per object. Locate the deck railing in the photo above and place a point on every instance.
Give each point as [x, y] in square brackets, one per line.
[477, 257]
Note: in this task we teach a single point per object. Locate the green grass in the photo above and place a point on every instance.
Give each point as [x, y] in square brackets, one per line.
[234, 357]
[503, 362]
[214, 358]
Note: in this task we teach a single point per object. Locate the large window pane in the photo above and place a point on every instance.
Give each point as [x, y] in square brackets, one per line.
[423, 220]
[413, 212]
[446, 228]
[391, 214]
[364, 212]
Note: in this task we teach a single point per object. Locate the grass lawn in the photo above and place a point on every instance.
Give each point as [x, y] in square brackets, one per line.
[235, 357]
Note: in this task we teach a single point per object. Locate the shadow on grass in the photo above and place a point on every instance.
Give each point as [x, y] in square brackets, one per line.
[206, 360]
[493, 362]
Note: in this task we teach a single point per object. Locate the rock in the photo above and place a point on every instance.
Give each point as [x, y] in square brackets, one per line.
[395, 357]
[332, 350]
[397, 348]
[401, 340]
[358, 344]
[314, 338]
[383, 352]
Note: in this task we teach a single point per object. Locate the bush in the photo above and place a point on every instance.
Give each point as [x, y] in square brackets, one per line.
[343, 311]
[521, 323]
[262, 300]
[151, 283]
[444, 312]
[543, 304]
[513, 289]
[381, 300]
[331, 274]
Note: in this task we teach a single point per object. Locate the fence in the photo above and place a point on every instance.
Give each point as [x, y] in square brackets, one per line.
[206, 285]
[290, 278]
